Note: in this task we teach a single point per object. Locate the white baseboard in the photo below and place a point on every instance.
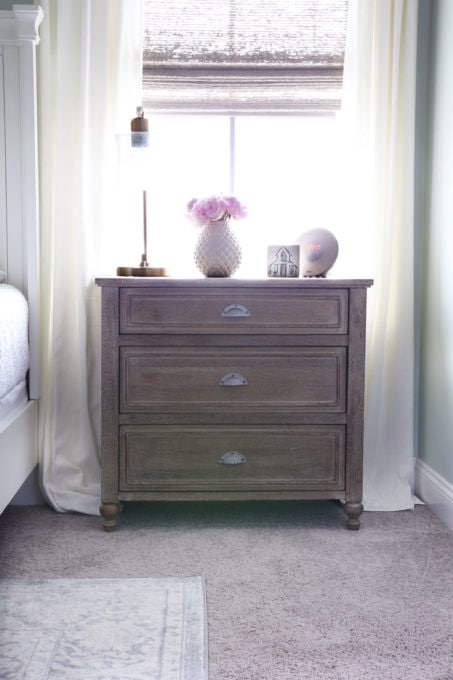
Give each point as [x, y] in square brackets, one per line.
[435, 491]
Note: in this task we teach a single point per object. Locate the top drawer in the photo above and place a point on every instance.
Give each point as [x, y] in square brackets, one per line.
[233, 311]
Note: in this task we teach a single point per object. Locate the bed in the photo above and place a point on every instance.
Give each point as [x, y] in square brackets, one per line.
[19, 256]
[14, 352]
[18, 413]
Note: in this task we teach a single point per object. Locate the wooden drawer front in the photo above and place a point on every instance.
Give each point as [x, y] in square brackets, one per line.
[233, 312]
[159, 458]
[207, 380]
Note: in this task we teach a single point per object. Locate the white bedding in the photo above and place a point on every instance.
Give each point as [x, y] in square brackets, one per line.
[14, 350]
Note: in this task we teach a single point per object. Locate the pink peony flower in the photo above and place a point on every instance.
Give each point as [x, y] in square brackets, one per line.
[234, 207]
[191, 204]
[205, 210]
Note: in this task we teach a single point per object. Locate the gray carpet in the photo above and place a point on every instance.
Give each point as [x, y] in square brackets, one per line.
[291, 594]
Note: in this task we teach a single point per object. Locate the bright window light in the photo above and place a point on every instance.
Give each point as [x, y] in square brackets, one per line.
[284, 168]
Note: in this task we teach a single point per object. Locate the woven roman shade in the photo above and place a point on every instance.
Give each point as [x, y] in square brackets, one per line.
[243, 56]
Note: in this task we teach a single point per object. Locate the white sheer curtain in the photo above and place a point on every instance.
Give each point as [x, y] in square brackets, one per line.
[89, 74]
[379, 117]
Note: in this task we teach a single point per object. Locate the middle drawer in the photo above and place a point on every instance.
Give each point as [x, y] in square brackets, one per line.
[204, 380]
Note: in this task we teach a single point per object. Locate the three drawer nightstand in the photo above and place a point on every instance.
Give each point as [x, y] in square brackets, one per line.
[232, 389]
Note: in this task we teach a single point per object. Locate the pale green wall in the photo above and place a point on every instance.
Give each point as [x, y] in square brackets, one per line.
[436, 315]
[7, 4]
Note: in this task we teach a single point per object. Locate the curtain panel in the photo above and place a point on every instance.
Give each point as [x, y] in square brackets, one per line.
[378, 113]
[89, 74]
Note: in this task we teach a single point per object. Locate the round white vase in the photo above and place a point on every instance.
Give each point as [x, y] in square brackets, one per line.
[217, 251]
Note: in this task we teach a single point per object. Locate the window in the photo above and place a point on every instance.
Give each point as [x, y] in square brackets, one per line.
[244, 104]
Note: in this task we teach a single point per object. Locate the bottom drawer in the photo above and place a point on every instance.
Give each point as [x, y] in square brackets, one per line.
[205, 458]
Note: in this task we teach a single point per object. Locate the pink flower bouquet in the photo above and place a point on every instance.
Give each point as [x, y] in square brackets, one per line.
[205, 210]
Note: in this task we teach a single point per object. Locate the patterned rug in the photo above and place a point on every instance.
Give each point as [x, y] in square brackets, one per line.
[103, 629]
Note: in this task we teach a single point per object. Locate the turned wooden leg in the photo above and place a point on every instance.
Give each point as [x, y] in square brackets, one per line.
[353, 511]
[109, 512]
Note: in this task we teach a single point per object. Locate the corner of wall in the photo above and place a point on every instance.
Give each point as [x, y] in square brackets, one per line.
[435, 491]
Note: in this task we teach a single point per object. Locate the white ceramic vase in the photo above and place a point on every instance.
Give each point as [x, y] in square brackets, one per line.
[217, 251]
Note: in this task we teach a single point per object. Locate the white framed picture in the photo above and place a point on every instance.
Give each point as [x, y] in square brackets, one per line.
[283, 261]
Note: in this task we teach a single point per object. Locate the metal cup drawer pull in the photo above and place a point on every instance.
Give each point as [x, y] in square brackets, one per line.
[236, 310]
[232, 458]
[233, 380]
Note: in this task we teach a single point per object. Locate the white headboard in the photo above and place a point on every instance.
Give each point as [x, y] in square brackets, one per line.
[19, 209]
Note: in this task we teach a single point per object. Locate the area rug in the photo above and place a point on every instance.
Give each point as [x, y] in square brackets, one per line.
[103, 629]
